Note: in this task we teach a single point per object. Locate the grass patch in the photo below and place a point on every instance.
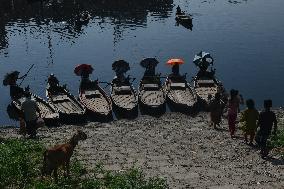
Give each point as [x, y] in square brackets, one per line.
[21, 162]
[277, 141]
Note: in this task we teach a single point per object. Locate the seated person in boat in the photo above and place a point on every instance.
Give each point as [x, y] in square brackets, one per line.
[85, 79]
[175, 75]
[150, 71]
[120, 77]
[203, 73]
[178, 10]
[150, 75]
[52, 81]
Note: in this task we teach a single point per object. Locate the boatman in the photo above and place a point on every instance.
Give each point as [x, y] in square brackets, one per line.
[29, 109]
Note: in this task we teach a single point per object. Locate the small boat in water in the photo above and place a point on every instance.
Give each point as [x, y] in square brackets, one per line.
[185, 20]
[122, 92]
[95, 100]
[152, 99]
[69, 108]
[46, 110]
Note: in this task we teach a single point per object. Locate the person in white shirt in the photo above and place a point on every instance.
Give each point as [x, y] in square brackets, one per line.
[29, 108]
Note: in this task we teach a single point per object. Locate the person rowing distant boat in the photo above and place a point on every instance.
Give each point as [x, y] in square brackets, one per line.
[178, 10]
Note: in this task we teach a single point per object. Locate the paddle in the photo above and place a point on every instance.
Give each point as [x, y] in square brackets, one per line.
[25, 75]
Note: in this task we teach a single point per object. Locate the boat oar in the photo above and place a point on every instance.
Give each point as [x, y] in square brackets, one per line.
[26, 74]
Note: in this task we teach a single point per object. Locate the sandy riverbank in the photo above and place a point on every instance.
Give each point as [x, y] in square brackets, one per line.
[182, 149]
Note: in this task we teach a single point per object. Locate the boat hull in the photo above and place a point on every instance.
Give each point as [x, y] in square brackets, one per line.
[69, 108]
[47, 111]
[151, 96]
[124, 100]
[181, 97]
[97, 103]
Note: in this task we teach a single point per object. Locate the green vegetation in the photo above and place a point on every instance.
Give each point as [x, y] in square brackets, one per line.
[21, 161]
[277, 141]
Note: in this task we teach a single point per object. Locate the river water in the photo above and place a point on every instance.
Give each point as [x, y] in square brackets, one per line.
[245, 37]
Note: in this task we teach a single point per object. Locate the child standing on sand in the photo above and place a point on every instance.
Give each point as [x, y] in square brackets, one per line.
[249, 117]
[233, 109]
[216, 110]
[267, 119]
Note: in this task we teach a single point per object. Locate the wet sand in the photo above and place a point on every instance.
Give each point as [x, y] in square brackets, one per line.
[182, 149]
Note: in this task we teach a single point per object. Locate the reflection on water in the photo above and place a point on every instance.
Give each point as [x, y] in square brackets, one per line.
[40, 18]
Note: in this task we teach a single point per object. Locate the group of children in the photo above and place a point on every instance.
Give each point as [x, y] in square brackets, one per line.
[250, 118]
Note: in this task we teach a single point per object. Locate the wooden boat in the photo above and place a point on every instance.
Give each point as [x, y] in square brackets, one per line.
[180, 95]
[95, 100]
[184, 19]
[124, 99]
[151, 95]
[47, 111]
[69, 108]
[206, 87]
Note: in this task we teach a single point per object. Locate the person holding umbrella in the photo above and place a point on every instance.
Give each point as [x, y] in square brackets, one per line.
[175, 62]
[121, 67]
[203, 60]
[11, 79]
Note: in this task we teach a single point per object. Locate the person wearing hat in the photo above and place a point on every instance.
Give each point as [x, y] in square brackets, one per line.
[29, 109]
[267, 119]
[15, 90]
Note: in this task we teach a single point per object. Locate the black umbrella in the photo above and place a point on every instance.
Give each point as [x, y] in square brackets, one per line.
[122, 64]
[9, 77]
[145, 63]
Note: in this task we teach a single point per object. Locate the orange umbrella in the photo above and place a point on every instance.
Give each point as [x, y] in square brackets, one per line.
[175, 61]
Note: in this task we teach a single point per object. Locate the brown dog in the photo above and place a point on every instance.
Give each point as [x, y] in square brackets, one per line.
[60, 155]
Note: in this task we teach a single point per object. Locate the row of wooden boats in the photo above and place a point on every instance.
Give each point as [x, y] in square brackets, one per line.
[152, 97]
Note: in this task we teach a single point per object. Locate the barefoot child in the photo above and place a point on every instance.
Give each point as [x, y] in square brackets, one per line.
[233, 109]
[267, 119]
[216, 110]
[249, 117]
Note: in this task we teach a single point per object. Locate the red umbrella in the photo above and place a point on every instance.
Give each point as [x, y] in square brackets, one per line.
[175, 61]
[83, 68]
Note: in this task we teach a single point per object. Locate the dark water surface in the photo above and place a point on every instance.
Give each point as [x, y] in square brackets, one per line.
[244, 36]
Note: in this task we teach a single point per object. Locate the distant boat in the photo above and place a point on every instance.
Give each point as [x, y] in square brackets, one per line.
[185, 20]
[69, 108]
